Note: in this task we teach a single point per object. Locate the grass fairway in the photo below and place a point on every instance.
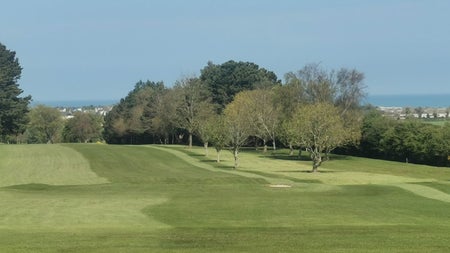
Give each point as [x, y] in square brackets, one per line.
[104, 198]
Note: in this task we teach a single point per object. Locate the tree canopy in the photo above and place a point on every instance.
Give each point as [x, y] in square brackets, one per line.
[319, 128]
[45, 126]
[13, 107]
[237, 124]
[83, 127]
[193, 105]
[130, 120]
[227, 79]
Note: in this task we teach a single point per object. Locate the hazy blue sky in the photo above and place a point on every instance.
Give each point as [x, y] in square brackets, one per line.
[98, 49]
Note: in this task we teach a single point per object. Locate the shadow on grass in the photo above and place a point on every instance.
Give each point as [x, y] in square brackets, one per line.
[305, 157]
[31, 187]
[224, 167]
[307, 171]
[208, 161]
[213, 162]
[194, 154]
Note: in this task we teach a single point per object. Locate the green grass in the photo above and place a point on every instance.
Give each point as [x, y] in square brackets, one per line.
[437, 122]
[169, 199]
[46, 164]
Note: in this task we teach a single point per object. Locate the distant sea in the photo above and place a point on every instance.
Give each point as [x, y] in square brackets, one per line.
[426, 100]
[76, 103]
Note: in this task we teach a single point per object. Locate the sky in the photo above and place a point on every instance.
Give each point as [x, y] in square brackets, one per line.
[99, 49]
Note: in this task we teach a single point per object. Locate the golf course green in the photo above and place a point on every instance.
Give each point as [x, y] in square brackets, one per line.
[111, 198]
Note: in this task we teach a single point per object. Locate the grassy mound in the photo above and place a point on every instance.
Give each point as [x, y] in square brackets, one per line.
[44, 164]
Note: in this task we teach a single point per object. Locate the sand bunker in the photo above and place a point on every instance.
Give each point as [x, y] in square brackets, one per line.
[280, 186]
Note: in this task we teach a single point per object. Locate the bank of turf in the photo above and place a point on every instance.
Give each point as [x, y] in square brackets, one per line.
[104, 198]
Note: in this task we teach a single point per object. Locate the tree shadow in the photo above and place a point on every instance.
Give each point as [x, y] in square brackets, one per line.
[303, 157]
[195, 154]
[286, 157]
[225, 167]
[307, 171]
[208, 161]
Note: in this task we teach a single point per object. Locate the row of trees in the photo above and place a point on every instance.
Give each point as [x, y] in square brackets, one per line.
[228, 106]
[46, 125]
[409, 140]
[316, 109]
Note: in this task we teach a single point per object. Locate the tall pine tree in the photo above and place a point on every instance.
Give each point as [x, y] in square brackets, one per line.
[13, 107]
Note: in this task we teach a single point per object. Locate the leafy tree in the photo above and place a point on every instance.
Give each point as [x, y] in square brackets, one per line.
[237, 125]
[130, 120]
[312, 84]
[320, 129]
[13, 108]
[226, 80]
[210, 130]
[215, 132]
[373, 128]
[193, 104]
[417, 142]
[288, 98]
[288, 134]
[45, 125]
[264, 115]
[83, 127]
[163, 122]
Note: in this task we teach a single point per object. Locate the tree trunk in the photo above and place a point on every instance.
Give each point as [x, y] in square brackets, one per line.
[190, 140]
[291, 149]
[265, 146]
[274, 145]
[218, 156]
[317, 161]
[206, 148]
[236, 158]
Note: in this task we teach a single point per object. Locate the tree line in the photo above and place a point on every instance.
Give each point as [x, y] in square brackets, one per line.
[235, 104]
[409, 140]
[231, 105]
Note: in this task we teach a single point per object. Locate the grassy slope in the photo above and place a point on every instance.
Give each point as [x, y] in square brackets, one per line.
[46, 164]
[159, 201]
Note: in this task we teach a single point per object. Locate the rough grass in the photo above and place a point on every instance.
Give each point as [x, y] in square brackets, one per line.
[170, 199]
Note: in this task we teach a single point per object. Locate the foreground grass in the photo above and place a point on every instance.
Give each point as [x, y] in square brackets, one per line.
[160, 199]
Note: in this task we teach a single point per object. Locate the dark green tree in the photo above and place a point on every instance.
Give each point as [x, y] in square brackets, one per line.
[414, 141]
[227, 79]
[374, 126]
[13, 107]
[130, 121]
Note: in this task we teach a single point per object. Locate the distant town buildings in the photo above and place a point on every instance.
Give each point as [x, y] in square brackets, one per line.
[422, 113]
[68, 112]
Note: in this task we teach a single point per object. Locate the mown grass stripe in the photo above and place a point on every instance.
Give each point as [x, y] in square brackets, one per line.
[425, 191]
